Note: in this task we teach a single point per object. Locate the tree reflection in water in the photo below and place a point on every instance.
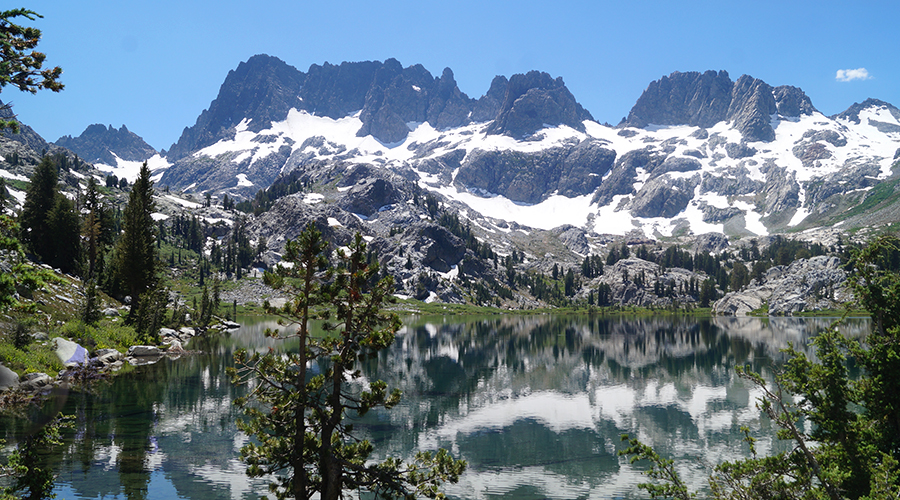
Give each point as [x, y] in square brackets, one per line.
[536, 405]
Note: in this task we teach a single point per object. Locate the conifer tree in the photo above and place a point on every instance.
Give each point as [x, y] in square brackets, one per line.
[136, 264]
[65, 236]
[303, 439]
[39, 201]
[92, 227]
[20, 65]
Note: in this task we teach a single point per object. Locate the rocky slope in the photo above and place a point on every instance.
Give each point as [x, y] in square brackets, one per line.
[805, 285]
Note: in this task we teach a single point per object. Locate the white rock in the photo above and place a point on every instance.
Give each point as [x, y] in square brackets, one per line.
[143, 350]
[8, 378]
[70, 352]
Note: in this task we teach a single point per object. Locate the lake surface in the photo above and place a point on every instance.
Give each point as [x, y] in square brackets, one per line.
[535, 404]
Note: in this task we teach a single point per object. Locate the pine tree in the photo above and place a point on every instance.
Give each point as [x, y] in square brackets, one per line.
[39, 201]
[64, 228]
[20, 65]
[569, 283]
[303, 439]
[92, 226]
[205, 309]
[136, 264]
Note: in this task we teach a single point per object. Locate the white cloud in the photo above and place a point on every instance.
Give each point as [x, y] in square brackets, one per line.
[848, 75]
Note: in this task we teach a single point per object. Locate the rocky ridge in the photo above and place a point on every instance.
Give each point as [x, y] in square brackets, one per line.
[697, 153]
[704, 99]
[99, 144]
[388, 151]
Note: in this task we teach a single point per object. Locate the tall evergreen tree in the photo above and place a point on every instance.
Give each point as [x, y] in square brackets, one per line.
[39, 201]
[92, 226]
[303, 439]
[63, 224]
[136, 249]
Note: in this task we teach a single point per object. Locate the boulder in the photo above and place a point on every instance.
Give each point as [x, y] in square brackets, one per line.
[167, 332]
[109, 356]
[138, 351]
[8, 378]
[35, 381]
[70, 352]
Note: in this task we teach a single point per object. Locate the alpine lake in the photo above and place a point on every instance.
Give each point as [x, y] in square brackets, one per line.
[535, 404]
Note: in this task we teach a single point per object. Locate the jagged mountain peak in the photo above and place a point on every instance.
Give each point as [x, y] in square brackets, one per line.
[704, 99]
[400, 96]
[103, 144]
[792, 102]
[389, 98]
[852, 113]
[691, 98]
[535, 100]
[261, 90]
[732, 157]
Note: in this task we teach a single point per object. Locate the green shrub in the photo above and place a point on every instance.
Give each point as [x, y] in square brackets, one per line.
[78, 331]
[36, 358]
[104, 336]
[115, 336]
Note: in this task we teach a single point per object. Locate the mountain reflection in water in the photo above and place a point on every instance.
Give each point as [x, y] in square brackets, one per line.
[535, 404]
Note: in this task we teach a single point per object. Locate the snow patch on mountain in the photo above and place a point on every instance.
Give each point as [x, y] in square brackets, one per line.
[243, 181]
[181, 201]
[6, 174]
[130, 170]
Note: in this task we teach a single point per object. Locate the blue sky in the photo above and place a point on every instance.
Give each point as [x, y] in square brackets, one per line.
[154, 66]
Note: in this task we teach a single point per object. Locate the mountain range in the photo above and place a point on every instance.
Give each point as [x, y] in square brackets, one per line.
[524, 166]
[698, 152]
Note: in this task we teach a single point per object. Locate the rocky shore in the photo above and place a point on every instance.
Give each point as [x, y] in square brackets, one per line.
[81, 363]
